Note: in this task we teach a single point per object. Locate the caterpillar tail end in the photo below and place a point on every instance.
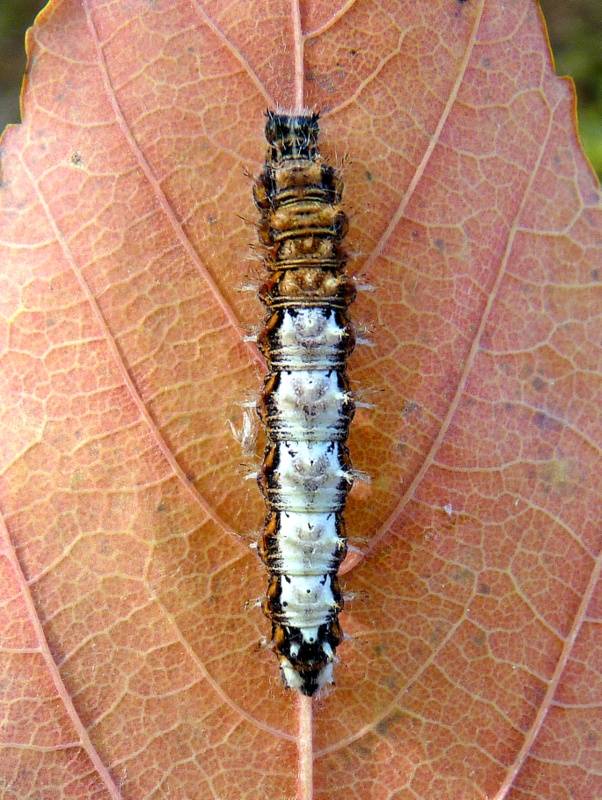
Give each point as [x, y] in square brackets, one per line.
[307, 681]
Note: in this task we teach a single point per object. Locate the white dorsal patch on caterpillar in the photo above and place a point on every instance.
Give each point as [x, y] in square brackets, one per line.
[306, 405]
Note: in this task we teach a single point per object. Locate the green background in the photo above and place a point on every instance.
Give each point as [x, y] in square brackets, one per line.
[575, 28]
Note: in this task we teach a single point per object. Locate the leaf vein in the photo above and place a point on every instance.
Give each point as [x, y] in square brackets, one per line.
[118, 360]
[219, 33]
[548, 699]
[162, 199]
[470, 358]
[53, 670]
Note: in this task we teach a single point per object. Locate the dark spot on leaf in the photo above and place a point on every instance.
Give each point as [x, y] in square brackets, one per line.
[369, 175]
[211, 219]
[440, 245]
[462, 575]
[327, 81]
[595, 274]
[484, 588]
[383, 726]
[437, 634]
[546, 423]
[485, 343]
[162, 507]
[410, 407]
[364, 752]
[353, 52]
[392, 683]
[76, 159]
[538, 384]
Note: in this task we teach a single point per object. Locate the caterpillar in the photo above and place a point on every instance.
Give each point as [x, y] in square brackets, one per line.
[306, 405]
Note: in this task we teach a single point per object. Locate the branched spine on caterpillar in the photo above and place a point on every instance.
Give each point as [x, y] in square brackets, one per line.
[306, 405]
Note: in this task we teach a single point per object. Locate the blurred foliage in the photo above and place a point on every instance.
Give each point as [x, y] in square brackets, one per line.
[575, 28]
[15, 17]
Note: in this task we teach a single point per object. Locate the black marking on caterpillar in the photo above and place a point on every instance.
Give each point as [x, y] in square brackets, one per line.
[306, 404]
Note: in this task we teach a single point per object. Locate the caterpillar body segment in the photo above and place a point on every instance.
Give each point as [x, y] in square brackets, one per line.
[306, 404]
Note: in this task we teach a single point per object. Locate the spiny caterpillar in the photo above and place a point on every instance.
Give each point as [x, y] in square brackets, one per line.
[306, 405]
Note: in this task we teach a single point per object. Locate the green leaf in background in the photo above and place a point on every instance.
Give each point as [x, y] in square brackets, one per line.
[575, 30]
